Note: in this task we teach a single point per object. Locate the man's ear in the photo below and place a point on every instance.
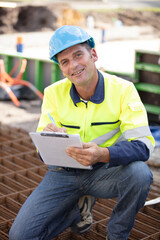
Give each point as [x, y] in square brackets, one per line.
[94, 54]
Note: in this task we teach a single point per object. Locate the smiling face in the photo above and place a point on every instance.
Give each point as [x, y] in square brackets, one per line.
[78, 64]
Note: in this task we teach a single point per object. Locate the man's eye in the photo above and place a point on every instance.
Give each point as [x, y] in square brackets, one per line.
[64, 62]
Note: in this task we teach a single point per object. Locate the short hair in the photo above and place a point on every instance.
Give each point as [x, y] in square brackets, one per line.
[87, 45]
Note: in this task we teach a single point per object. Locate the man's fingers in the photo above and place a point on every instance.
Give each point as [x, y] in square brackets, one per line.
[53, 128]
[49, 127]
[76, 151]
[86, 150]
[80, 158]
[88, 145]
[63, 129]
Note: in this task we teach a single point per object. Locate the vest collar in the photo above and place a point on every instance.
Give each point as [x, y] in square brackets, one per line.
[98, 95]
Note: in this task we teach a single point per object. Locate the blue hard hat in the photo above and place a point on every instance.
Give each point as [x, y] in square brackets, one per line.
[67, 36]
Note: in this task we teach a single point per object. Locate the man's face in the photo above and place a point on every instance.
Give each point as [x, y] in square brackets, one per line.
[78, 64]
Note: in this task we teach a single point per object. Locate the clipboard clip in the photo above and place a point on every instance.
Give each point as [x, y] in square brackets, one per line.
[54, 134]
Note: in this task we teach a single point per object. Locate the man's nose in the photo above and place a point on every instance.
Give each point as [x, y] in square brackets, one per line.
[73, 63]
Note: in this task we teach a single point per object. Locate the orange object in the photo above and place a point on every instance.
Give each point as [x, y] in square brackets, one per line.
[20, 45]
[6, 81]
[19, 40]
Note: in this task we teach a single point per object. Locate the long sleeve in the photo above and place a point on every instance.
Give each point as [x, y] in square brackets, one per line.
[125, 152]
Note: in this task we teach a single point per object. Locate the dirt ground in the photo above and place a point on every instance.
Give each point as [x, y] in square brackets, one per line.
[44, 18]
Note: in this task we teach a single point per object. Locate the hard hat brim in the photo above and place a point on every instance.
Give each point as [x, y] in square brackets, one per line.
[90, 42]
[68, 36]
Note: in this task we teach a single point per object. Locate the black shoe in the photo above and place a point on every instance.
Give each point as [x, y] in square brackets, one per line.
[85, 204]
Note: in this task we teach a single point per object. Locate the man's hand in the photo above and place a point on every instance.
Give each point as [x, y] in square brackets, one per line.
[53, 128]
[89, 154]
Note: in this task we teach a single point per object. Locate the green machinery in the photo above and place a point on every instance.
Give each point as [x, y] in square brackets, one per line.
[147, 81]
[39, 72]
[146, 78]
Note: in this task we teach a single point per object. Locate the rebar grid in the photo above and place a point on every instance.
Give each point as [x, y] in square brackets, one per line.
[21, 171]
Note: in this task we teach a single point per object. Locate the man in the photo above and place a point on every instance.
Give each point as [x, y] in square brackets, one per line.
[109, 116]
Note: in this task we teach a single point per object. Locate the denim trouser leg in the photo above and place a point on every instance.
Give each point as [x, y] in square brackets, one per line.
[52, 207]
[49, 210]
[133, 187]
[131, 184]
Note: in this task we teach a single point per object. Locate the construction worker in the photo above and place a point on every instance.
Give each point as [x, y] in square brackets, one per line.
[109, 116]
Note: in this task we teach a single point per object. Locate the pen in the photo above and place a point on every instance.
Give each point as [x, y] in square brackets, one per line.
[51, 118]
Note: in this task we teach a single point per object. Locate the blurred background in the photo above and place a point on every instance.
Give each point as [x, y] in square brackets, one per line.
[124, 31]
[127, 36]
[131, 24]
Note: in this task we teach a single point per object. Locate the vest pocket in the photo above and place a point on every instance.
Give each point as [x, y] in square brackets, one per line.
[70, 126]
[103, 123]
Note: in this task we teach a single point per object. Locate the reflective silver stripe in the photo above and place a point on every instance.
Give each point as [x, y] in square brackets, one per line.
[102, 139]
[120, 139]
[147, 142]
[137, 132]
[134, 133]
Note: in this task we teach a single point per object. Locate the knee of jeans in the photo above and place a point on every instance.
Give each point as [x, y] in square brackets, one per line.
[14, 234]
[141, 174]
[17, 232]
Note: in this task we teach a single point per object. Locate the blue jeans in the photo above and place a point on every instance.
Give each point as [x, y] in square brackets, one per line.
[52, 207]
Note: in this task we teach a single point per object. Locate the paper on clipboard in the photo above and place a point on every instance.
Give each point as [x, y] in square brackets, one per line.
[52, 146]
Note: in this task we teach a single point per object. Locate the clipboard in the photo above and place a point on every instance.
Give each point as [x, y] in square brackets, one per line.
[52, 146]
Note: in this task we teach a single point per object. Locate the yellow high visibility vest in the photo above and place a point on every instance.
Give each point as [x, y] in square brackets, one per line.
[120, 116]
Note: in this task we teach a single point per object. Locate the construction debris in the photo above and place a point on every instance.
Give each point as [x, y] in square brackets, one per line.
[38, 18]
[70, 16]
[49, 16]
[21, 171]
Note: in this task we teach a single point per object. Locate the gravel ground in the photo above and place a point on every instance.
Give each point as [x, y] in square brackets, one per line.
[26, 118]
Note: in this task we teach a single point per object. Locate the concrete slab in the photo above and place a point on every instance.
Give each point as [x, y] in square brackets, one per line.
[119, 56]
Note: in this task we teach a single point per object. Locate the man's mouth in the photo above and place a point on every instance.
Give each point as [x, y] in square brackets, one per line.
[78, 72]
